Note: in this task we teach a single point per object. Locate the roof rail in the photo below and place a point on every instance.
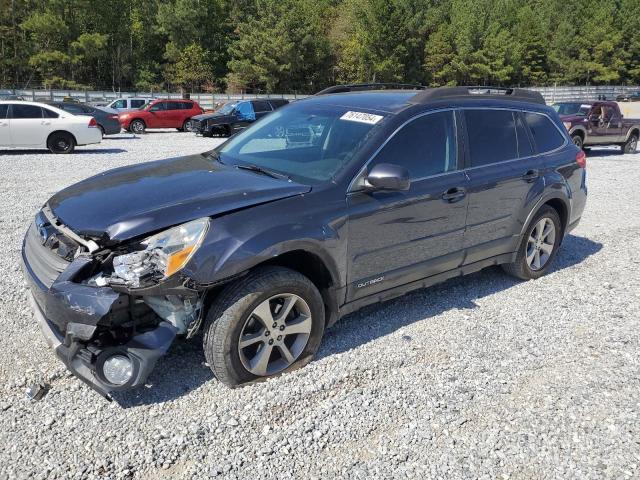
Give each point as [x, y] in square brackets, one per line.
[446, 93]
[357, 87]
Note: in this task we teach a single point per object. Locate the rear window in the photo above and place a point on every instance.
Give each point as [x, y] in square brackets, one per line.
[545, 134]
[186, 105]
[25, 111]
[492, 136]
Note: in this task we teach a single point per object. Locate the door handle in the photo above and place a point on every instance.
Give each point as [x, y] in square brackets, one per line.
[454, 194]
[530, 175]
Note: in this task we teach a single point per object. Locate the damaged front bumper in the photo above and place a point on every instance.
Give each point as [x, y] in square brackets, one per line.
[74, 319]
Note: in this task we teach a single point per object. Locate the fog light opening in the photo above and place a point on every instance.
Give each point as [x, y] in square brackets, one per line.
[117, 369]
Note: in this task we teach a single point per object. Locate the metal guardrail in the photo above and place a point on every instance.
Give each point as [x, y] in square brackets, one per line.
[208, 100]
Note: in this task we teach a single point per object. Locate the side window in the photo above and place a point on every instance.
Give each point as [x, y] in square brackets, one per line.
[245, 111]
[261, 106]
[545, 134]
[492, 136]
[172, 106]
[137, 103]
[120, 104]
[426, 146]
[25, 111]
[4, 109]
[525, 149]
[158, 107]
[49, 113]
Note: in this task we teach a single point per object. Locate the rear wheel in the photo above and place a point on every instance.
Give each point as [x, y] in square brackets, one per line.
[268, 322]
[631, 145]
[61, 142]
[186, 126]
[577, 141]
[538, 246]
[137, 126]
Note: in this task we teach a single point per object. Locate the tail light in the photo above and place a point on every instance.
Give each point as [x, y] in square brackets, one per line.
[93, 123]
[581, 159]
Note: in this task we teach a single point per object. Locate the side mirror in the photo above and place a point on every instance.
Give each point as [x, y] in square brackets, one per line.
[387, 176]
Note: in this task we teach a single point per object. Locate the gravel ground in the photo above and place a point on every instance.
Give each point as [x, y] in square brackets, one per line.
[482, 377]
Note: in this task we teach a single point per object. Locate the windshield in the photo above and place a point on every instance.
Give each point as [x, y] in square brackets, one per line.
[226, 109]
[572, 108]
[306, 142]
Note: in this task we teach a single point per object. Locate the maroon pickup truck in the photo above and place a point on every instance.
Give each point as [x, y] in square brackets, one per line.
[599, 123]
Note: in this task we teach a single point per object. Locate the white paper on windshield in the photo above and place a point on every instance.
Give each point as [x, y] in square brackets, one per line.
[361, 117]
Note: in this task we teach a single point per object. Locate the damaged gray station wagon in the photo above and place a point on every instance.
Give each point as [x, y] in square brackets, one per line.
[338, 201]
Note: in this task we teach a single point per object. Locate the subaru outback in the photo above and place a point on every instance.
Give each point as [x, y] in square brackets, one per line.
[322, 207]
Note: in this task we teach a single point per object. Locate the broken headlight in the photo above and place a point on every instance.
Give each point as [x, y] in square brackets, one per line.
[164, 254]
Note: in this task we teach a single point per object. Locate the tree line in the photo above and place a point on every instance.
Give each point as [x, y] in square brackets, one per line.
[305, 45]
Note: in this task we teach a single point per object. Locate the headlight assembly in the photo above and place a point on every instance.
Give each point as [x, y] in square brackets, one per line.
[165, 253]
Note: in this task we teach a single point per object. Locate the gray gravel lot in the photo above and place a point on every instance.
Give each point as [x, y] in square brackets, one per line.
[482, 377]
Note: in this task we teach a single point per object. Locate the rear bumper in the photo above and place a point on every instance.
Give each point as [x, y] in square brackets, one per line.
[70, 316]
[112, 127]
[89, 136]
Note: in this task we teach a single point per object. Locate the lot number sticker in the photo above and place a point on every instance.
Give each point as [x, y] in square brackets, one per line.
[362, 117]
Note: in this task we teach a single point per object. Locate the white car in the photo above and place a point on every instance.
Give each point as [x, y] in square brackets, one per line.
[123, 104]
[36, 125]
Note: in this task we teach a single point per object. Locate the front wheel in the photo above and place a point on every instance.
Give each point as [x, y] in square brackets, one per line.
[61, 142]
[631, 144]
[538, 246]
[137, 126]
[268, 322]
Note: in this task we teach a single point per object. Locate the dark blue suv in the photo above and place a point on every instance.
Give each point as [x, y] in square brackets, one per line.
[324, 206]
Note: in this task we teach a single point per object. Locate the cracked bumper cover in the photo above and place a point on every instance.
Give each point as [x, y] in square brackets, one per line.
[80, 309]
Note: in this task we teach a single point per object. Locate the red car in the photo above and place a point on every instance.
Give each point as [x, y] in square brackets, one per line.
[160, 114]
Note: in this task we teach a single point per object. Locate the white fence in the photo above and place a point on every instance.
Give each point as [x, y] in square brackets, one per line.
[208, 100]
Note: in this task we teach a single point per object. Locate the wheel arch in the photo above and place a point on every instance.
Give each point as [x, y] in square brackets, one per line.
[75, 140]
[633, 130]
[558, 203]
[578, 131]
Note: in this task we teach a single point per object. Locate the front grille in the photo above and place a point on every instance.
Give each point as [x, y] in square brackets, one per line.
[44, 262]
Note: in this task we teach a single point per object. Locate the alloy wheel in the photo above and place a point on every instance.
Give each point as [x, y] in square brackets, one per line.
[540, 244]
[275, 334]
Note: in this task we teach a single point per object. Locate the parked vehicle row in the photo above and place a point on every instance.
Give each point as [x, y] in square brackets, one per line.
[107, 119]
[327, 205]
[234, 116]
[161, 114]
[599, 123]
[36, 125]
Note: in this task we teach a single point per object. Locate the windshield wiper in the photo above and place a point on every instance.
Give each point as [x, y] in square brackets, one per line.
[263, 171]
[214, 156]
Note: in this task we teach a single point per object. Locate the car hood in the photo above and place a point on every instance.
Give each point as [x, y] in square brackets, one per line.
[573, 118]
[208, 116]
[132, 201]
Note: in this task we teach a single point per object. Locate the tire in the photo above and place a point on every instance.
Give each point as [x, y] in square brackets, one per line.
[521, 268]
[233, 314]
[186, 126]
[577, 141]
[631, 145]
[61, 142]
[137, 126]
[226, 129]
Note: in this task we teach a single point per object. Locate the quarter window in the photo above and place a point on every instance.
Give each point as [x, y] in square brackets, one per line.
[261, 106]
[49, 113]
[426, 146]
[545, 134]
[25, 111]
[492, 136]
[120, 104]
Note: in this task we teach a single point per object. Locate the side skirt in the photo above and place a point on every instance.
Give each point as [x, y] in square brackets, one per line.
[424, 283]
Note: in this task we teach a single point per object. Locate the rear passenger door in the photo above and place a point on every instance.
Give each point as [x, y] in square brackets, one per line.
[503, 170]
[397, 237]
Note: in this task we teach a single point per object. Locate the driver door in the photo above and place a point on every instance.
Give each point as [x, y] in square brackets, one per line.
[245, 116]
[397, 237]
[156, 115]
